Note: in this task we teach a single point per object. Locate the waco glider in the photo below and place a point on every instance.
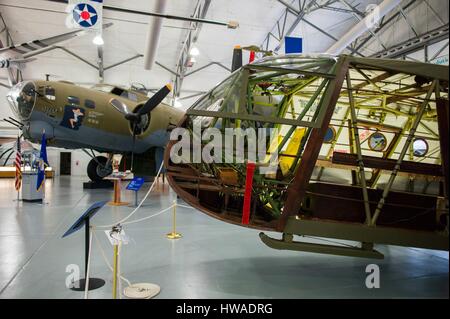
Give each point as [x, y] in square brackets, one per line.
[362, 153]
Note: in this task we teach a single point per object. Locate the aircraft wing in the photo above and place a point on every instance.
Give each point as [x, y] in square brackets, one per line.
[28, 48]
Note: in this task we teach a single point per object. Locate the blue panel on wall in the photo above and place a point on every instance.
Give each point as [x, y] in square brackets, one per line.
[293, 45]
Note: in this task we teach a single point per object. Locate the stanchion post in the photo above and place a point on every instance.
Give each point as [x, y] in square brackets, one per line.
[116, 254]
[174, 234]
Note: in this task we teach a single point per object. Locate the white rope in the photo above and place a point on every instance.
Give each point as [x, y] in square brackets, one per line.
[190, 207]
[102, 251]
[148, 217]
[140, 204]
[86, 282]
[123, 221]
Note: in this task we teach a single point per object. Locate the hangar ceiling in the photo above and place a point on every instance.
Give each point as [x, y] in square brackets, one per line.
[319, 22]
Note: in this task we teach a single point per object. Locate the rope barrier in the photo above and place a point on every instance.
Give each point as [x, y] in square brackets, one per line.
[124, 221]
[148, 217]
[140, 204]
[190, 207]
[105, 259]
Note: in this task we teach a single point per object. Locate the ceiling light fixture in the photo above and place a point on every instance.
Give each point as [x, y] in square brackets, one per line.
[98, 40]
[194, 51]
[177, 103]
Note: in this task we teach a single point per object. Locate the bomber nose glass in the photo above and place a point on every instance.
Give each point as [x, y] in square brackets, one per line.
[22, 98]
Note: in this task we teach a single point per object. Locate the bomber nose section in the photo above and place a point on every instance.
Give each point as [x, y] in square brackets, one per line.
[22, 98]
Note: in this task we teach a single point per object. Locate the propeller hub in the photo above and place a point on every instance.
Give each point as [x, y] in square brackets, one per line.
[132, 117]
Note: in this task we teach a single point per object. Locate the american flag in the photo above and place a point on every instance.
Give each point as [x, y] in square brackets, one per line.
[18, 164]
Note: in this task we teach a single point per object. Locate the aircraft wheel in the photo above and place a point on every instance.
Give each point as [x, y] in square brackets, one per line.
[97, 170]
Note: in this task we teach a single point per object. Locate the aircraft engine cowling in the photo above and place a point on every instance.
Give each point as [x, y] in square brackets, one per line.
[143, 124]
[4, 63]
[14, 63]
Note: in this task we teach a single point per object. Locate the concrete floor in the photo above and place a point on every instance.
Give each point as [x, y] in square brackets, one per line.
[212, 260]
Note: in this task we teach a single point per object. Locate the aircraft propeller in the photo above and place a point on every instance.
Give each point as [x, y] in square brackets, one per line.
[135, 117]
[151, 103]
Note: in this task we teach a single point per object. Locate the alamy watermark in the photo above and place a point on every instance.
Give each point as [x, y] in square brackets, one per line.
[373, 277]
[234, 145]
[73, 279]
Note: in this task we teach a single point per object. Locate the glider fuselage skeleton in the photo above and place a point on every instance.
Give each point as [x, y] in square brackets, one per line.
[362, 149]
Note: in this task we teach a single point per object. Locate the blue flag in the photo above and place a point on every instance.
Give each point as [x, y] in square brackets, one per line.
[43, 163]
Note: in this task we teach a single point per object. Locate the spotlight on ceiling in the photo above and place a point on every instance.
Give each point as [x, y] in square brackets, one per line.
[98, 40]
[177, 103]
[194, 51]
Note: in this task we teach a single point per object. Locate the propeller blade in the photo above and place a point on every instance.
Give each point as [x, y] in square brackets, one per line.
[13, 123]
[8, 157]
[237, 58]
[14, 120]
[155, 100]
[119, 106]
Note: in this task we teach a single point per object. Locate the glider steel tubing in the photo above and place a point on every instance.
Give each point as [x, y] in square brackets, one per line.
[409, 139]
[354, 123]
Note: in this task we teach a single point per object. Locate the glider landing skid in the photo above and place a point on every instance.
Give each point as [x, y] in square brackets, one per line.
[287, 243]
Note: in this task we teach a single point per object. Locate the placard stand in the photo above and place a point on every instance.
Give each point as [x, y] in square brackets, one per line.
[135, 185]
[135, 198]
[94, 283]
[84, 220]
[117, 190]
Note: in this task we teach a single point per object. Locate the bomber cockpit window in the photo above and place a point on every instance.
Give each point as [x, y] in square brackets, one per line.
[117, 91]
[73, 100]
[50, 93]
[89, 104]
[125, 94]
[132, 96]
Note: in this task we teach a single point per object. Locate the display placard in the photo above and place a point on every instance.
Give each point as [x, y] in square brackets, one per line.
[135, 184]
[82, 219]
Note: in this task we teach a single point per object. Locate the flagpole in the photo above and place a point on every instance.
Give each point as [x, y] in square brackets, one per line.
[18, 166]
[43, 182]
[43, 162]
[43, 189]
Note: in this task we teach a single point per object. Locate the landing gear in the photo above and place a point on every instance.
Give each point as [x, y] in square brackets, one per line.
[98, 168]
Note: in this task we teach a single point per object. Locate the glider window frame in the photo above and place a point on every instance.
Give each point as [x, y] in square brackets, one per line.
[416, 151]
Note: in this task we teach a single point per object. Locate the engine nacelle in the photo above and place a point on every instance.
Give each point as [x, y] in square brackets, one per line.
[4, 63]
[14, 63]
[143, 124]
